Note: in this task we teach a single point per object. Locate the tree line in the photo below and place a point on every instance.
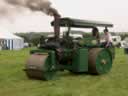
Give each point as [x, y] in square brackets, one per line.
[33, 38]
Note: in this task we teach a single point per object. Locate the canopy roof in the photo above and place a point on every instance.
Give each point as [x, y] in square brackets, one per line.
[82, 23]
[8, 36]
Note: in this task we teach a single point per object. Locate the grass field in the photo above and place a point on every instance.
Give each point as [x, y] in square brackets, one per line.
[13, 81]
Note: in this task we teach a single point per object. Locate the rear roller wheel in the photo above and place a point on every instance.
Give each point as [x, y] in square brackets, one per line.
[100, 61]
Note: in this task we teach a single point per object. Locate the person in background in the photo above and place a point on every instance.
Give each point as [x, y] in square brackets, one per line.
[108, 38]
[95, 33]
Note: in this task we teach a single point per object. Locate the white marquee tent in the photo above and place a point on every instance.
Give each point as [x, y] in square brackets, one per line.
[11, 41]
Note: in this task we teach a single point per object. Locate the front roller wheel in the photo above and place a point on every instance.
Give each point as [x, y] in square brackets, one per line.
[100, 61]
[38, 67]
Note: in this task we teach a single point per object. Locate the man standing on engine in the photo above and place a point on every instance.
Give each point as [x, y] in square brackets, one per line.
[108, 39]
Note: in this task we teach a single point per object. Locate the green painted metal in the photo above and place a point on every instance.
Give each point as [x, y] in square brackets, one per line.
[100, 60]
[50, 66]
[82, 23]
[42, 51]
[89, 42]
[80, 61]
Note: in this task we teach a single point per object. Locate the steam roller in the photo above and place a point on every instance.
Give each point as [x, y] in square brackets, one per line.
[70, 52]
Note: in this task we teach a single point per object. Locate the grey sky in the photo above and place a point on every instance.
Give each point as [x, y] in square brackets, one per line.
[114, 11]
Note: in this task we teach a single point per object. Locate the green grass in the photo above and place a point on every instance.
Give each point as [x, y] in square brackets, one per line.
[13, 81]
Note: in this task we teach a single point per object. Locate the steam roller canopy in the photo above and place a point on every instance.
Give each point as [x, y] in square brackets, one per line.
[38, 67]
[100, 61]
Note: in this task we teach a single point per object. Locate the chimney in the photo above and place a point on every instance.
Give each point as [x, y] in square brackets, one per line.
[57, 25]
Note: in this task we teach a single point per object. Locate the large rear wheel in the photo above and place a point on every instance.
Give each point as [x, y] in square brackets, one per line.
[100, 61]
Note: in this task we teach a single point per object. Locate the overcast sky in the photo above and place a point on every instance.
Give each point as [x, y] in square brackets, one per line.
[114, 11]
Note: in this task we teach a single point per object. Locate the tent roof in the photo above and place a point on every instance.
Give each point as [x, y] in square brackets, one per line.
[8, 36]
[82, 23]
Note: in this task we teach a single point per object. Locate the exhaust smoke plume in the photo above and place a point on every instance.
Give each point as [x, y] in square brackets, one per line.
[35, 5]
[26, 15]
[4, 10]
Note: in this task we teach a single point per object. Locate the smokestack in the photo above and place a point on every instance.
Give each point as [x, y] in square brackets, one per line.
[54, 12]
[57, 26]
